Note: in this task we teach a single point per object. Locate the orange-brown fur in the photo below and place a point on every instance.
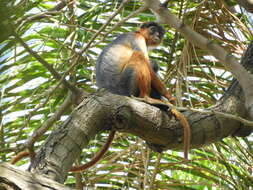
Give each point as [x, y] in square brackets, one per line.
[146, 78]
[22, 155]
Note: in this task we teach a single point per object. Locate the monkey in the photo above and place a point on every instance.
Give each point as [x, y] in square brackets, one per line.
[124, 68]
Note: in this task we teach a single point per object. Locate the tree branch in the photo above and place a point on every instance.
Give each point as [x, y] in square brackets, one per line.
[222, 114]
[104, 110]
[13, 178]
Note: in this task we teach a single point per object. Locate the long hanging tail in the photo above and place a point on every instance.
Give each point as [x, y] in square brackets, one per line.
[97, 157]
[20, 156]
[187, 131]
[94, 160]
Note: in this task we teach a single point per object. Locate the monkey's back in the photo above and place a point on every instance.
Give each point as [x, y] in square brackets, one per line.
[109, 67]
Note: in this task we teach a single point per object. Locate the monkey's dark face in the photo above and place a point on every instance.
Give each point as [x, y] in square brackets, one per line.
[153, 33]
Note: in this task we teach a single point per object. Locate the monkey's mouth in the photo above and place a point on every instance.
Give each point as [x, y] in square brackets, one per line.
[157, 39]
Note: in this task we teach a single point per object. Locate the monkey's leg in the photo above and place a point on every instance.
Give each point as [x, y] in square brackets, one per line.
[160, 87]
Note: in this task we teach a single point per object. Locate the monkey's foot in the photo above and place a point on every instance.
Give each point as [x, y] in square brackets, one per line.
[156, 102]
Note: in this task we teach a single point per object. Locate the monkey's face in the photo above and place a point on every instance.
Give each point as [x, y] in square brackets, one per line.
[156, 35]
[153, 33]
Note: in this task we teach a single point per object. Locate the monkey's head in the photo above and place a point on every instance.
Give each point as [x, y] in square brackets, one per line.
[153, 33]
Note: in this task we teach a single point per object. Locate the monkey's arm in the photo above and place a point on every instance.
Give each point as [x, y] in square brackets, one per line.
[160, 87]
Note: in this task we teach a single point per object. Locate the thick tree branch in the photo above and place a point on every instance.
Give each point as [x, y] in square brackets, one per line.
[104, 110]
[222, 114]
[13, 178]
[230, 62]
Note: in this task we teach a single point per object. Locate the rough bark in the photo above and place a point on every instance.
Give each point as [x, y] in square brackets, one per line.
[12, 178]
[104, 110]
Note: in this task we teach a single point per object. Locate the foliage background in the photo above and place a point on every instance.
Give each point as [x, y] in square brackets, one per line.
[30, 95]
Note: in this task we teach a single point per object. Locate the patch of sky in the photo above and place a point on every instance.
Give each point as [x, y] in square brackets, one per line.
[15, 115]
[30, 85]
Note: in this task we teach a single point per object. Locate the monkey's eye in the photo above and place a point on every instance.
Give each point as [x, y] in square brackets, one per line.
[152, 29]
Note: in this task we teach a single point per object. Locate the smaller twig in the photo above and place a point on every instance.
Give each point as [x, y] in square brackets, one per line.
[55, 74]
[153, 177]
[37, 16]
[133, 14]
[225, 115]
[36, 134]
[2, 150]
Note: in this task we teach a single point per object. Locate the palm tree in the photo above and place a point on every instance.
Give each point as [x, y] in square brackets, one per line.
[48, 53]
